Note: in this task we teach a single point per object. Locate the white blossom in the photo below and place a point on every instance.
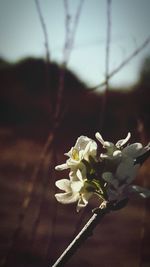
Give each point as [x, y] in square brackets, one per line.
[113, 150]
[119, 181]
[109, 176]
[83, 148]
[75, 191]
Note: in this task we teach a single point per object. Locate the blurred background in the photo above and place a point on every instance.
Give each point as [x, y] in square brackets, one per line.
[55, 61]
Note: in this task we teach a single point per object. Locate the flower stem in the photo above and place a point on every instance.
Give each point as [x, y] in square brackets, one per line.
[86, 232]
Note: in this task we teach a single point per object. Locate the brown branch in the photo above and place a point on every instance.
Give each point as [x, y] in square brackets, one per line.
[87, 230]
[84, 234]
[123, 63]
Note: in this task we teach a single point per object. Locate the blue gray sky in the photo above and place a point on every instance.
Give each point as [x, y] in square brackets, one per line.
[21, 35]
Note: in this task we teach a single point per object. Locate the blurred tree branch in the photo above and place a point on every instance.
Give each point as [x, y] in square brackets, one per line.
[68, 45]
[123, 63]
[107, 62]
[44, 29]
[108, 40]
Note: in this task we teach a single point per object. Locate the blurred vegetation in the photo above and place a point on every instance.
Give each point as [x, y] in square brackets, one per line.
[28, 98]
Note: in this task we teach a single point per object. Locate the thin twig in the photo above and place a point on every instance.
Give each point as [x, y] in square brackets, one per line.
[76, 21]
[48, 159]
[70, 33]
[43, 25]
[123, 63]
[86, 232]
[45, 33]
[67, 31]
[108, 43]
[69, 41]
[107, 61]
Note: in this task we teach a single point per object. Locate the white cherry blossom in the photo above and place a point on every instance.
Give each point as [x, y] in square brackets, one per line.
[75, 191]
[83, 148]
[112, 150]
[110, 176]
[119, 182]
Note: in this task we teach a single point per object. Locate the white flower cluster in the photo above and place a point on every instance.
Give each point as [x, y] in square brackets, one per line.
[108, 175]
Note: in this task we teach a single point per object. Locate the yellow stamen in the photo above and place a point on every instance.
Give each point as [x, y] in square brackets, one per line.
[75, 154]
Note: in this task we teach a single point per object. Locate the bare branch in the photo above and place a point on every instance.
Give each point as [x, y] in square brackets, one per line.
[43, 25]
[76, 21]
[124, 63]
[107, 60]
[70, 36]
[108, 43]
[67, 28]
[86, 232]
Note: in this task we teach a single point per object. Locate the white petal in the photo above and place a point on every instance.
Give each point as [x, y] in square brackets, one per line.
[83, 201]
[81, 154]
[127, 171]
[90, 150]
[69, 153]
[108, 145]
[81, 204]
[109, 178]
[81, 142]
[122, 142]
[117, 154]
[67, 198]
[61, 167]
[133, 150]
[79, 175]
[63, 184]
[75, 172]
[73, 176]
[142, 191]
[72, 163]
[85, 147]
[104, 156]
[76, 186]
[99, 138]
